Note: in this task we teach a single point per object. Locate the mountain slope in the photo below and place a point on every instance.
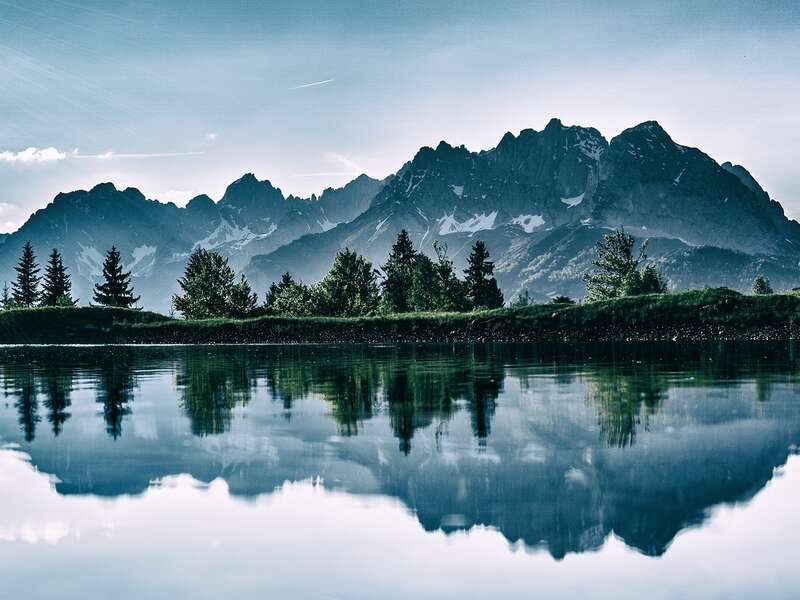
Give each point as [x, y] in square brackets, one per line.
[541, 200]
[155, 238]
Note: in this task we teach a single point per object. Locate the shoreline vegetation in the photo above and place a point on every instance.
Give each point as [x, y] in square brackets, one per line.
[709, 314]
[411, 299]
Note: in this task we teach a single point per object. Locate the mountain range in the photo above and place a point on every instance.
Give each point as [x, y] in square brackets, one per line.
[540, 200]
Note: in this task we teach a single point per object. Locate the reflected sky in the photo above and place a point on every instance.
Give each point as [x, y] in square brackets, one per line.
[445, 470]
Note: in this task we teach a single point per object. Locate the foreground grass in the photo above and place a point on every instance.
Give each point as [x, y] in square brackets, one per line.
[699, 314]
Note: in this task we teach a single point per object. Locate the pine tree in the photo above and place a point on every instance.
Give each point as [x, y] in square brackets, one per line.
[25, 290]
[350, 288]
[116, 289]
[206, 284]
[242, 299]
[761, 286]
[6, 300]
[56, 285]
[276, 289]
[452, 291]
[425, 293]
[482, 288]
[399, 271]
[289, 297]
[616, 268]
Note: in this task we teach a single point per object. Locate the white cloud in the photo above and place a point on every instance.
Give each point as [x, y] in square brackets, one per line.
[212, 136]
[33, 155]
[133, 155]
[312, 84]
[344, 161]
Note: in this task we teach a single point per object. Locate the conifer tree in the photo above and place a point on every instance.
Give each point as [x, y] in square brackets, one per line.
[56, 284]
[6, 300]
[761, 286]
[452, 291]
[482, 288]
[242, 299]
[399, 273]
[116, 289]
[206, 286]
[350, 288]
[426, 293]
[25, 290]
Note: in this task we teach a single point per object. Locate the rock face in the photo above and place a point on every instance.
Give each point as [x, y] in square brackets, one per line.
[155, 239]
[540, 200]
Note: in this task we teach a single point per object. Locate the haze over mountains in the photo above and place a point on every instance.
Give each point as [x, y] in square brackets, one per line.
[540, 201]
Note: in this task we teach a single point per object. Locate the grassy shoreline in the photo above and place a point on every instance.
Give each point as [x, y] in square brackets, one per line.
[711, 314]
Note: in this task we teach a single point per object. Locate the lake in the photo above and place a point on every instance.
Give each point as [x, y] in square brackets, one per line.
[624, 471]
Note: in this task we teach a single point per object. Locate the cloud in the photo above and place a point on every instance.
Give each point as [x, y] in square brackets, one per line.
[33, 155]
[348, 167]
[132, 155]
[344, 161]
[212, 136]
[312, 84]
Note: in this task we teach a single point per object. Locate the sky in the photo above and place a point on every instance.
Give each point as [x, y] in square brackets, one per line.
[180, 98]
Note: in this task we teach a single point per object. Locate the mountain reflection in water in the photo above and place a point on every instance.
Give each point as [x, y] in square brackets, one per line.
[554, 447]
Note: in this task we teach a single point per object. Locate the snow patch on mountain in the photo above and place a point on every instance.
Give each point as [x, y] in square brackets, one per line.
[90, 261]
[528, 222]
[574, 201]
[326, 224]
[228, 233]
[140, 264]
[449, 224]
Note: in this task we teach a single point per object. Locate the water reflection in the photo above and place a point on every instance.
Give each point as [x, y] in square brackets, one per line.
[554, 447]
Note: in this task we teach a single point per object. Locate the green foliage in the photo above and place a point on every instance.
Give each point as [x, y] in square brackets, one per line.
[56, 284]
[25, 290]
[646, 281]
[426, 291]
[563, 300]
[209, 289]
[452, 291]
[242, 299]
[617, 271]
[704, 314]
[399, 273]
[761, 286]
[521, 300]
[350, 288]
[116, 289]
[482, 289]
[290, 298]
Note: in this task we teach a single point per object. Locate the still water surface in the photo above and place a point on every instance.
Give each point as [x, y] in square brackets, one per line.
[400, 471]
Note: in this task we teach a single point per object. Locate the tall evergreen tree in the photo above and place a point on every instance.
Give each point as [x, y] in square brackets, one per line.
[210, 289]
[399, 273]
[6, 300]
[350, 288]
[116, 289]
[482, 288]
[206, 286]
[56, 285]
[25, 290]
[242, 299]
[617, 269]
[426, 293]
[452, 291]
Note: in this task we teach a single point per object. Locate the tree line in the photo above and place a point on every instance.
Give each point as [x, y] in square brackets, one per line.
[410, 281]
[54, 287]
